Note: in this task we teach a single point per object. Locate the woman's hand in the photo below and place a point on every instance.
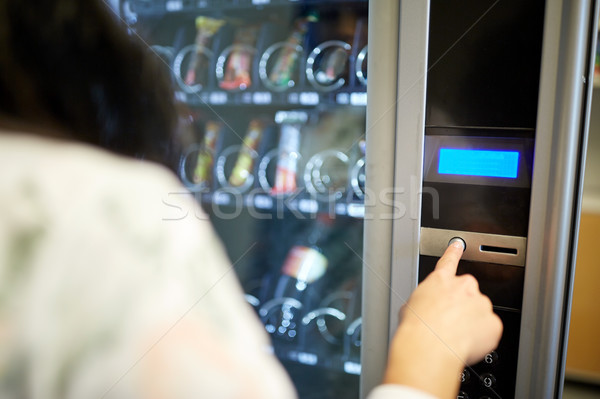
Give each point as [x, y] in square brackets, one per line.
[446, 325]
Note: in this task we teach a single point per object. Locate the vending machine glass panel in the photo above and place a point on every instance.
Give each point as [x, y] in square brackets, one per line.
[272, 99]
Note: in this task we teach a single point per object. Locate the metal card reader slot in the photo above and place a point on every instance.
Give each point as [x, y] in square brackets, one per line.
[498, 250]
[480, 247]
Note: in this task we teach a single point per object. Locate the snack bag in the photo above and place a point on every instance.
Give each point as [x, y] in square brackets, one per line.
[239, 64]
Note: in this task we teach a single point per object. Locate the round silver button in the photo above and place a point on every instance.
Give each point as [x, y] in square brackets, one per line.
[455, 239]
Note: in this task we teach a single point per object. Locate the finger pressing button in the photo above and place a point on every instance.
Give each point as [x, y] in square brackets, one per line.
[458, 239]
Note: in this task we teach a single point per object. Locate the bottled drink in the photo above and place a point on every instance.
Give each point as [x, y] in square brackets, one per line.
[304, 264]
[289, 143]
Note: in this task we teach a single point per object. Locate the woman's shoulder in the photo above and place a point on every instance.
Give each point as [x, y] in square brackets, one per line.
[78, 193]
[23, 153]
[66, 175]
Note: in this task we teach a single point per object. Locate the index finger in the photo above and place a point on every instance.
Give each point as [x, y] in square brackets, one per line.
[448, 263]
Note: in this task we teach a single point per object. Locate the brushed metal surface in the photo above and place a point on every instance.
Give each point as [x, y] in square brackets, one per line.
[480, 247]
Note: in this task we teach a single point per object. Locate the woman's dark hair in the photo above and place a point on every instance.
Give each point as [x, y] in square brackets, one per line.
[69, 66]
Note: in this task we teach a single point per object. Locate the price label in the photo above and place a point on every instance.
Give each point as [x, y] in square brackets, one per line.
[263, 202]
[261, 98]
[247, 98]
[307, 358]
[174, 5]
[352, 368]
[218, 97]
[342, 98]
[308, 206]
[221, 199]
[356, 210]
[340, 209]
[293, 98]
[358, 99]
[309, 98]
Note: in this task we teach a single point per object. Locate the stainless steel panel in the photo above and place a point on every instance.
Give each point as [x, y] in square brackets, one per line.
[397, 63]
[381, 96]
[553, 220]
[480, 247]
[410, 139]
[579, 192]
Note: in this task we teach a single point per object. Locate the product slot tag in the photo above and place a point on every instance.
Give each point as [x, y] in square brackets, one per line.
[340, 209]
[304, 357]
[356, 210]
[309, 98]
[352, 368]
[359, 99]
[308, 206]
[263, 202]
[262, 98]
[342, 98]
[218, 97]
[220, 198]
[174, 5]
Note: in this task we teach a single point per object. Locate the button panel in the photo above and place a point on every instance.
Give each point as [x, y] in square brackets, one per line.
[488, 380]
[491, 358]
[480, 247]
[465, 376]
[492, 377]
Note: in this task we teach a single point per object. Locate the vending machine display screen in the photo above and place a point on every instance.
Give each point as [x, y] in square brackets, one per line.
[483, 161]
[471, 162]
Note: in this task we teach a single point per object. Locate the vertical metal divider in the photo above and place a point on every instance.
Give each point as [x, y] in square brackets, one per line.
[410, 140]
[397, 65]
[560, 131]
[586, 114]
[380, 138]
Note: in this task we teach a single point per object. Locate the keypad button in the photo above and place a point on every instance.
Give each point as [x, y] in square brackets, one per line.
[491, 358]
[462, 395]
[487, 380]
[465, 376]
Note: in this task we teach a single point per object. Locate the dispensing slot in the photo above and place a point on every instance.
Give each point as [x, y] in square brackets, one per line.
[500, 250]
[480, 247]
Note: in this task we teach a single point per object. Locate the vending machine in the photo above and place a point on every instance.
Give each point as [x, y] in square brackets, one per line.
[490, 106]
[338, 145]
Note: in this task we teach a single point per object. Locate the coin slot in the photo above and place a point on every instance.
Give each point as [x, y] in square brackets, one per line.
[500, 250]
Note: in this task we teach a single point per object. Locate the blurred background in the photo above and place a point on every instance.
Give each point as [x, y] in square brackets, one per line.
[583, 353]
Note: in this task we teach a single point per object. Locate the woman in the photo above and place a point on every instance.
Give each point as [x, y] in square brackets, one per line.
[101, 295]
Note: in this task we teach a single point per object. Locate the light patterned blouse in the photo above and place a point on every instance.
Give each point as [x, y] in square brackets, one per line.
[114, 285]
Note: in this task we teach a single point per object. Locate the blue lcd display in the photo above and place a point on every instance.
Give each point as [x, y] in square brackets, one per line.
[486, 163]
